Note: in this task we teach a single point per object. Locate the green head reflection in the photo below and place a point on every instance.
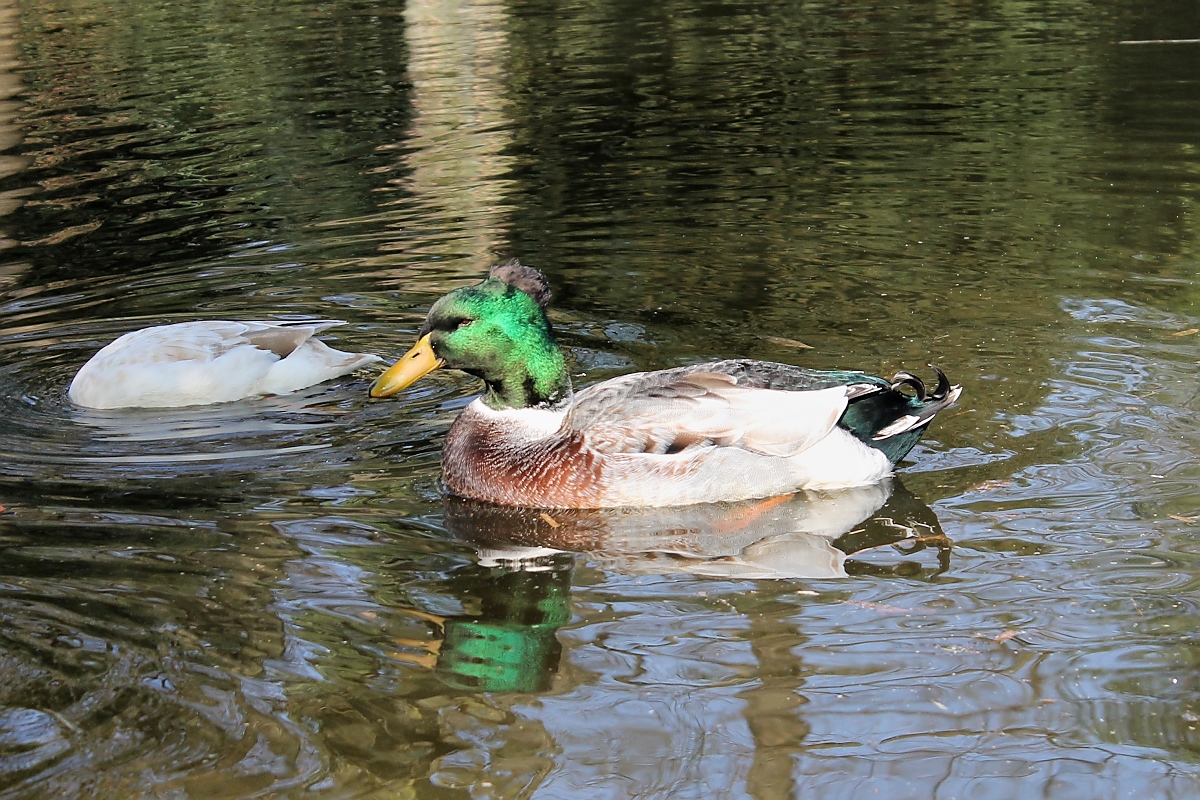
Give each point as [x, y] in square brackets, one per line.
[511, 645]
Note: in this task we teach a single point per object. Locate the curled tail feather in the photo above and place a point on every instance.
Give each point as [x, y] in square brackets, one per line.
[930, 403]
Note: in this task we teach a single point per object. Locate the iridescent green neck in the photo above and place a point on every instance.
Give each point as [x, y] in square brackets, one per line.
[532, 375]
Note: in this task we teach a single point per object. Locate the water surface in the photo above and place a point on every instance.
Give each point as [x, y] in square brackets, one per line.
[273, 598]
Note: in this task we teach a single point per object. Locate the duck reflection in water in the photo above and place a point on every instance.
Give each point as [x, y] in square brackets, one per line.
[522, 580]
[509, 644]
[796, 536]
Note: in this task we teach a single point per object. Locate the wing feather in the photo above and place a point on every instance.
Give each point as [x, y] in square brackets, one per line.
[668, 412]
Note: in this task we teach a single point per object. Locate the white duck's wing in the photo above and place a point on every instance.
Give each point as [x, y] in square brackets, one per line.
[281, 338]
[309, 361]
[670, 411]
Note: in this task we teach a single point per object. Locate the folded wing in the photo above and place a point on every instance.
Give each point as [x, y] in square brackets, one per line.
[673, 411]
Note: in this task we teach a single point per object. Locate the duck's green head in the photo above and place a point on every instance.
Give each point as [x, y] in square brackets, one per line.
[496, 330]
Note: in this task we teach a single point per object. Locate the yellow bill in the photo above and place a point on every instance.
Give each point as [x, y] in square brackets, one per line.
[412, 366]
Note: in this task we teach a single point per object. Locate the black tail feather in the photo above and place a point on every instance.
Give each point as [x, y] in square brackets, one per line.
[911, 381]
[944, 388]
[893, 421]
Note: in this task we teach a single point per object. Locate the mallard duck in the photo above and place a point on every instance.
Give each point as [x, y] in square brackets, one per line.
[210, 361]
[722, 431]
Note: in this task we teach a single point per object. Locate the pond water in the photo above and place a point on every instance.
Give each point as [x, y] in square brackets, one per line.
[272, 598]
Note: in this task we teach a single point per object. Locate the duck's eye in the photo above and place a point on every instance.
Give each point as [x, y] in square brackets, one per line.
[462, 323]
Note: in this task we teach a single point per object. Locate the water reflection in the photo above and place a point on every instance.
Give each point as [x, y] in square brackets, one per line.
[451, 164]
[10, 133]
[520, 589]
[266, 602]
[799, 536]
[509, 642]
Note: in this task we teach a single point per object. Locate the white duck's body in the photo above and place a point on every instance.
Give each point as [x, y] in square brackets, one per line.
[211, 361]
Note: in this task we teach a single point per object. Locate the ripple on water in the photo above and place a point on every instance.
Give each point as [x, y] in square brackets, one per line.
[31, 741]
[1013, 760]
[47, 438]
[117, 683]
[1111, 662]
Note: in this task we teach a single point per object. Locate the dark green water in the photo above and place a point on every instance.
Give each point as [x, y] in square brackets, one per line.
[271, 598]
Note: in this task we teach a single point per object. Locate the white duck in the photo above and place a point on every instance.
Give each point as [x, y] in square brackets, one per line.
[211, 361]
